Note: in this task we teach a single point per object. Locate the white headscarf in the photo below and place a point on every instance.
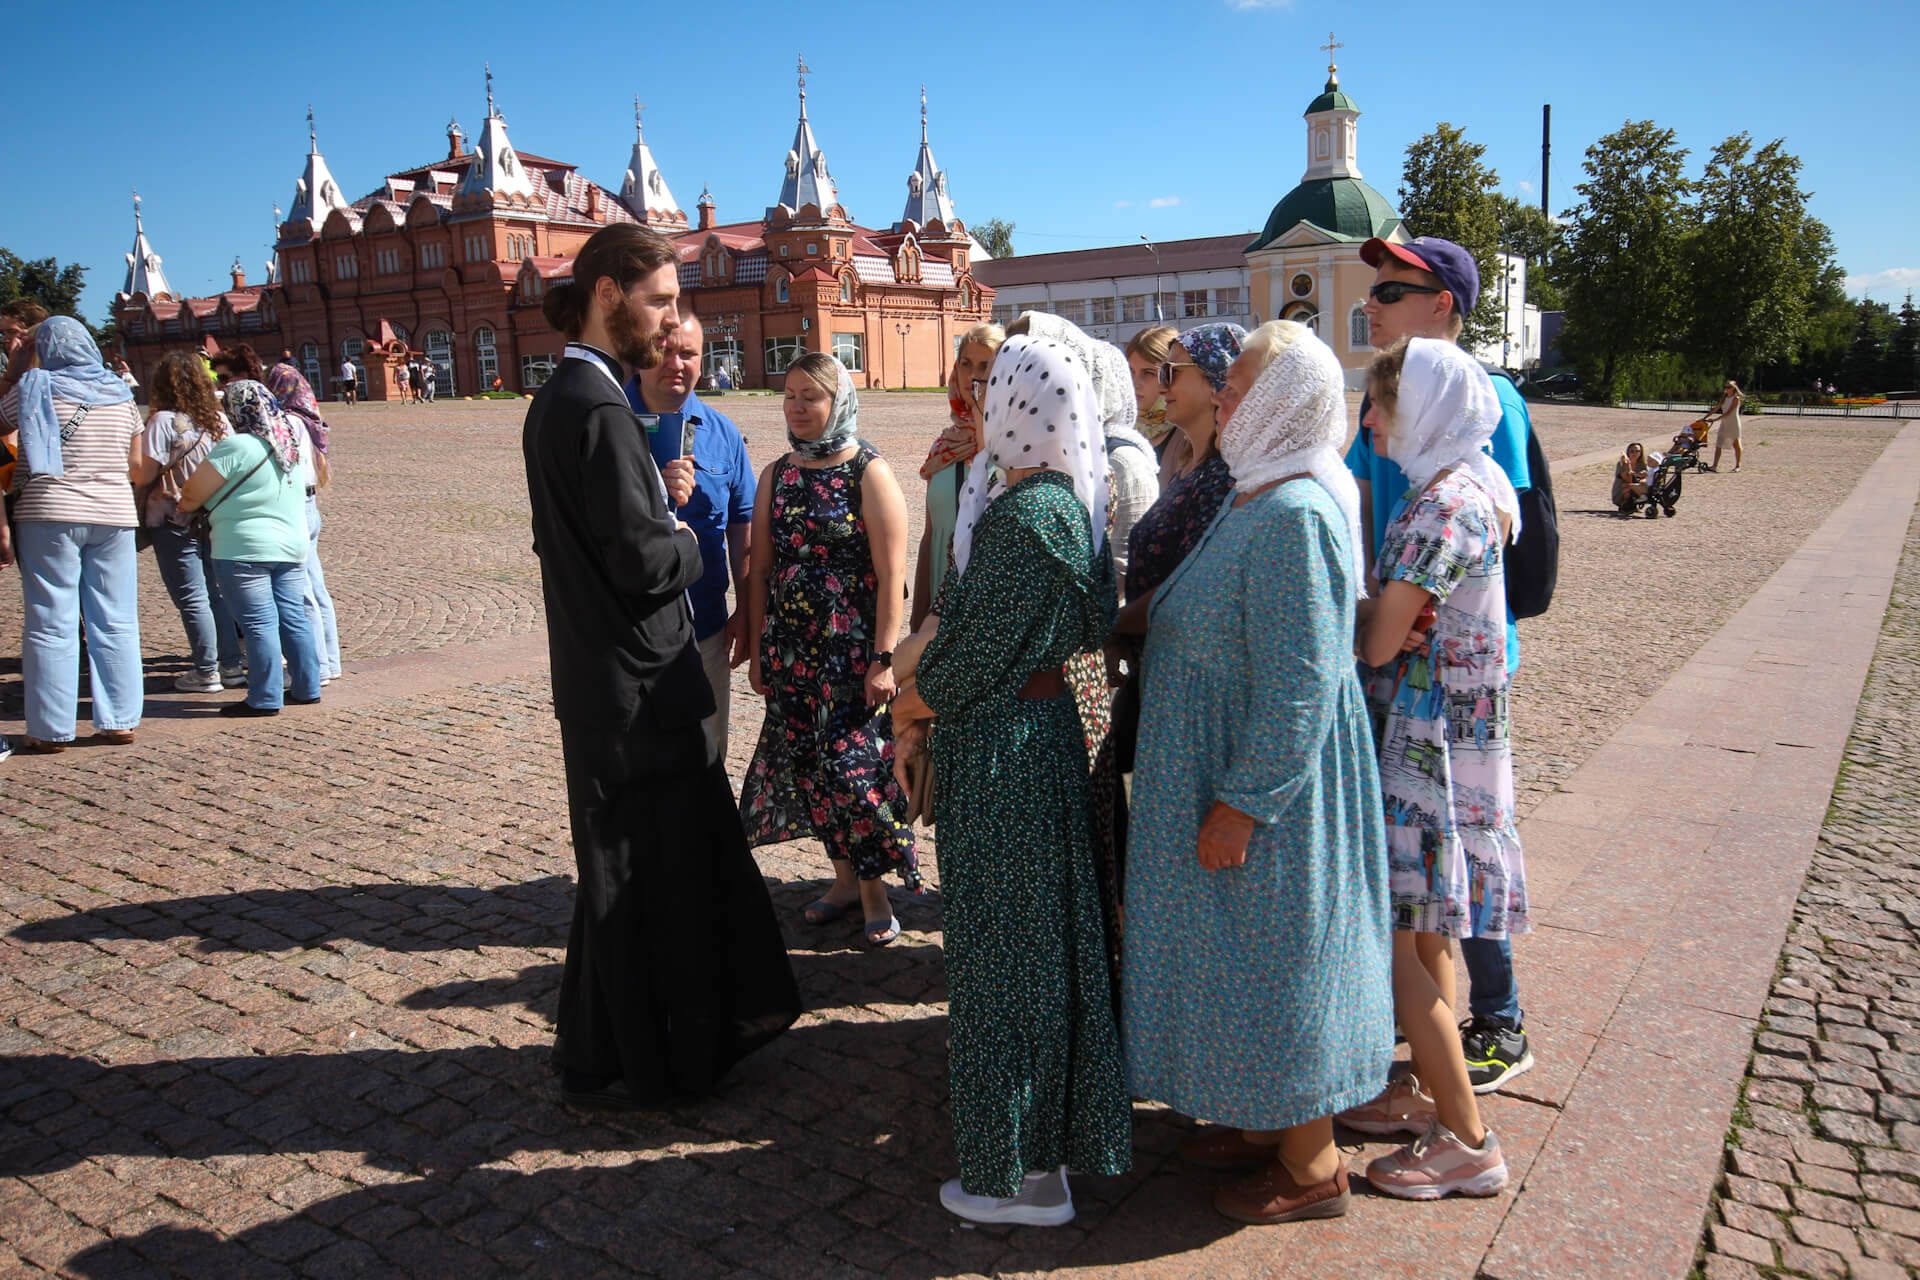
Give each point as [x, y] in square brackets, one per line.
[1294, 419]
[1446, 413]
[1112, 379]
[1039, 410]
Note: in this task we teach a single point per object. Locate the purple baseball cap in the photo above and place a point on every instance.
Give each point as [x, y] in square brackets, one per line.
[1455, 267]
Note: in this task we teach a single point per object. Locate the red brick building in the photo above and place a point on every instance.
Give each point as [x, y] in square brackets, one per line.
[451, 258]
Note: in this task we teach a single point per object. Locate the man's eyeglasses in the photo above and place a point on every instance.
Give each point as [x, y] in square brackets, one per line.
[1388, 292]
[1166, 371]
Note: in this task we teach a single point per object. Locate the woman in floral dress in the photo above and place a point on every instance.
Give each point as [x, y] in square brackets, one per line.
[826, 594]
[1034, 1062]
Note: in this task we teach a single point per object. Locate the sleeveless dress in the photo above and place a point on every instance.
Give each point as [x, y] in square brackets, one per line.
[824, 763]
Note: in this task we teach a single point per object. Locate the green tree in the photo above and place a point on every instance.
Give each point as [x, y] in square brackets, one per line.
[1748, 270]
[44, 280]
[1866, 360]
[996, 236]
[1447, 190]
[1528, 232]
[1903, 351]
[1622, 265]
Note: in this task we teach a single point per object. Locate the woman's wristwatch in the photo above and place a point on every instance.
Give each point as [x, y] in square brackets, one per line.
[884, 660]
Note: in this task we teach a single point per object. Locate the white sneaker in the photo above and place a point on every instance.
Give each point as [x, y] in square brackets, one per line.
[198, 682]
[1044, 1201]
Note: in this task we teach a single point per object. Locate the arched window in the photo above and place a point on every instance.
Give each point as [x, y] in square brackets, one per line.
[1359, 329]
[846, 288]
[1304, 313]
[310, 364]
[487, 356]
[440, 353]
[966, 295]
[780, 290]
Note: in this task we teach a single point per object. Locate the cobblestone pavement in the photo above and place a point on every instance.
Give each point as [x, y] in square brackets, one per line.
[275, 998]
[1823, 1166]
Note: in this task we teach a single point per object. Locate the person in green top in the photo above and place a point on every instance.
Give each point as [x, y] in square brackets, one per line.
[256, 506]
[1035, 1076]
[946, 466]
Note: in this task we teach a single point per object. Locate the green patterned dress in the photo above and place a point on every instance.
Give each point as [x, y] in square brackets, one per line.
[1034, 1062]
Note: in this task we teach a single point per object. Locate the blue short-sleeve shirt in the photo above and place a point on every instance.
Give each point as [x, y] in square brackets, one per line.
[723, 493]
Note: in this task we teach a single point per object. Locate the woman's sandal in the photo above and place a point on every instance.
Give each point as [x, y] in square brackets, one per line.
[40, 747]
[825, 911]
[879, 933]
[114, 737]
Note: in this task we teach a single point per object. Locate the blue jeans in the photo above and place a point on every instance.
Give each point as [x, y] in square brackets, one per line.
[70, 573]
[268, 601]
[1491, 990]
[326, 631]
[186, 566]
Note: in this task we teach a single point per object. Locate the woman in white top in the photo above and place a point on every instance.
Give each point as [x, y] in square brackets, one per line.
[185, 425]
[79, 449]
[1727, 414]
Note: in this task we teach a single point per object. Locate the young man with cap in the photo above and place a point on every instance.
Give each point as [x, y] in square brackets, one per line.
[1425, 288]
[720, 512]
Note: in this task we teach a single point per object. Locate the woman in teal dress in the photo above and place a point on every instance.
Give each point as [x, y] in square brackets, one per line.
[1257, 968]
[1036, 1082]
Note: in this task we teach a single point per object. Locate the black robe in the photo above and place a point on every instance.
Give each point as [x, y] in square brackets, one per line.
[675, 964]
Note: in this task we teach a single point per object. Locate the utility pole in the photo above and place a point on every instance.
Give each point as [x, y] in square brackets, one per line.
[1546, 157]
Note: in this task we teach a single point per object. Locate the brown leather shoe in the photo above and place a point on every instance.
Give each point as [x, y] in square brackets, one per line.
[114, 737]
[1272, 1196]
[1223, 1147]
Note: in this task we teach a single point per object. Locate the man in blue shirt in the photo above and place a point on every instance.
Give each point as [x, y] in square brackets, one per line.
[1424, 289]
[720, 512]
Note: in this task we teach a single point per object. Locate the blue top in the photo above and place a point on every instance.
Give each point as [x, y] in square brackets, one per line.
[723, 492]
[1509, 450]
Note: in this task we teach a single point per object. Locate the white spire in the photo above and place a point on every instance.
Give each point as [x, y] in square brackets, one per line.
[316, 194]
[807, 180]
[644, 190]
[143, 264]
[496, 169]
[927, 197]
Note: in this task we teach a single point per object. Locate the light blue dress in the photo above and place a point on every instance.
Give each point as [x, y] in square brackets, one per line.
[1258, 996]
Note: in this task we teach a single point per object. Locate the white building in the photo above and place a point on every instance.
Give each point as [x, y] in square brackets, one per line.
[1114, 293]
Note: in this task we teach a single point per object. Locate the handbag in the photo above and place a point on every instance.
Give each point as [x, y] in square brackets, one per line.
[200, 523]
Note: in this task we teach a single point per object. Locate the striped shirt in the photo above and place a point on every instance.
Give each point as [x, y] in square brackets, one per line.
[95, 489]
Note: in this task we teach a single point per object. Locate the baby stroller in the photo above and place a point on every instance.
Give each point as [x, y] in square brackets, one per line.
[1663, 485]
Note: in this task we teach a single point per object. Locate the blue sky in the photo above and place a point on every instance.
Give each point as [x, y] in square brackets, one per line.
[1084, 124]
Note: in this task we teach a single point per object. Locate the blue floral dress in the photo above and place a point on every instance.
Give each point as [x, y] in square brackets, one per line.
[824, 764]
[1258, 996]
[1440, 721]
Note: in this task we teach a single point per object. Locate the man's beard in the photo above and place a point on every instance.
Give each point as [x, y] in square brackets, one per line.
[631, 347]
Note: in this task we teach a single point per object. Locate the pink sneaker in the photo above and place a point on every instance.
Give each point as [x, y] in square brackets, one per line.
[1403, 1108]
[1438, 1164]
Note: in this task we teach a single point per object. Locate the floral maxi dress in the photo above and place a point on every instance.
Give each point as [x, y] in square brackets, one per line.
[824, 763]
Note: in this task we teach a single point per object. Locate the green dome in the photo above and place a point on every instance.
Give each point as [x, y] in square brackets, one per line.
[1333, 100]
[1344, 208]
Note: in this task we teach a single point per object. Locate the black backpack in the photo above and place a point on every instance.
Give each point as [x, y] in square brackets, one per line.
[1533, 561]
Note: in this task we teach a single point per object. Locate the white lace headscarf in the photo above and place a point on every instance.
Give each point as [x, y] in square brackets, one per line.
[1112, 378]
[1294, 419]
[1039, 410]
[1444, 417]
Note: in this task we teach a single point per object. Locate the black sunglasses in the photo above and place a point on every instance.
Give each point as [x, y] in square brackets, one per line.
[1165, 371]
[1388, 292]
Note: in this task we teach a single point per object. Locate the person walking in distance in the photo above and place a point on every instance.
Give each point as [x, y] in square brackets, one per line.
[349, 381]
[720, 512]
[675, 967]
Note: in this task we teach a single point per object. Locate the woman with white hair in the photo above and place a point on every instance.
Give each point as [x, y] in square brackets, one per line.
[1256, 969]
[1035, 1077]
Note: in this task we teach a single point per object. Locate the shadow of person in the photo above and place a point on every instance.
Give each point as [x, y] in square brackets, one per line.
[396, 917]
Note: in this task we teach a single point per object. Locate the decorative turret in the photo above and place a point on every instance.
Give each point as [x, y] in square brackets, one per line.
[239, 274]
[644, 189]
[456, 140]
[927, 198]
[706, 208]
[807, 181]
[496, 172]
[1331, 195]
[143, 264]
[316, 194]
[1333, 143]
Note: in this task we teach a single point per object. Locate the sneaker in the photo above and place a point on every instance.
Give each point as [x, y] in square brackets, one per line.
[1403, 1108]
[1271, 1196]
[1044, 1201]
[6, 748]
[199, 682]
[1437, 1164]
[1495, 1052]
[232, 675]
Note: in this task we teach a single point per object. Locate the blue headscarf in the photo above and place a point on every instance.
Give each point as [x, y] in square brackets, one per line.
[70, 369]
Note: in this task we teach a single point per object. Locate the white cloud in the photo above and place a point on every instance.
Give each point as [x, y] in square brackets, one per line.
[1123, 204]
[1526, 187]
[1888, 285]
[1163, 202]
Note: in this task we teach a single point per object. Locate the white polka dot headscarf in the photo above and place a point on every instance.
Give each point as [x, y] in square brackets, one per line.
[1039, 410]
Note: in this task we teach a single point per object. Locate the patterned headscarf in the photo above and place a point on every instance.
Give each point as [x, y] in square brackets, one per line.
[69, 367]
[1214, 347]
[255, 412]
[843, 422]
[1112, 379]
[1039, 410]
[1445, 416]
[295, 395]
[1294, 419]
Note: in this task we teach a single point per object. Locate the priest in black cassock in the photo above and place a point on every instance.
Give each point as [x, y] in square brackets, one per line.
[675, 964]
